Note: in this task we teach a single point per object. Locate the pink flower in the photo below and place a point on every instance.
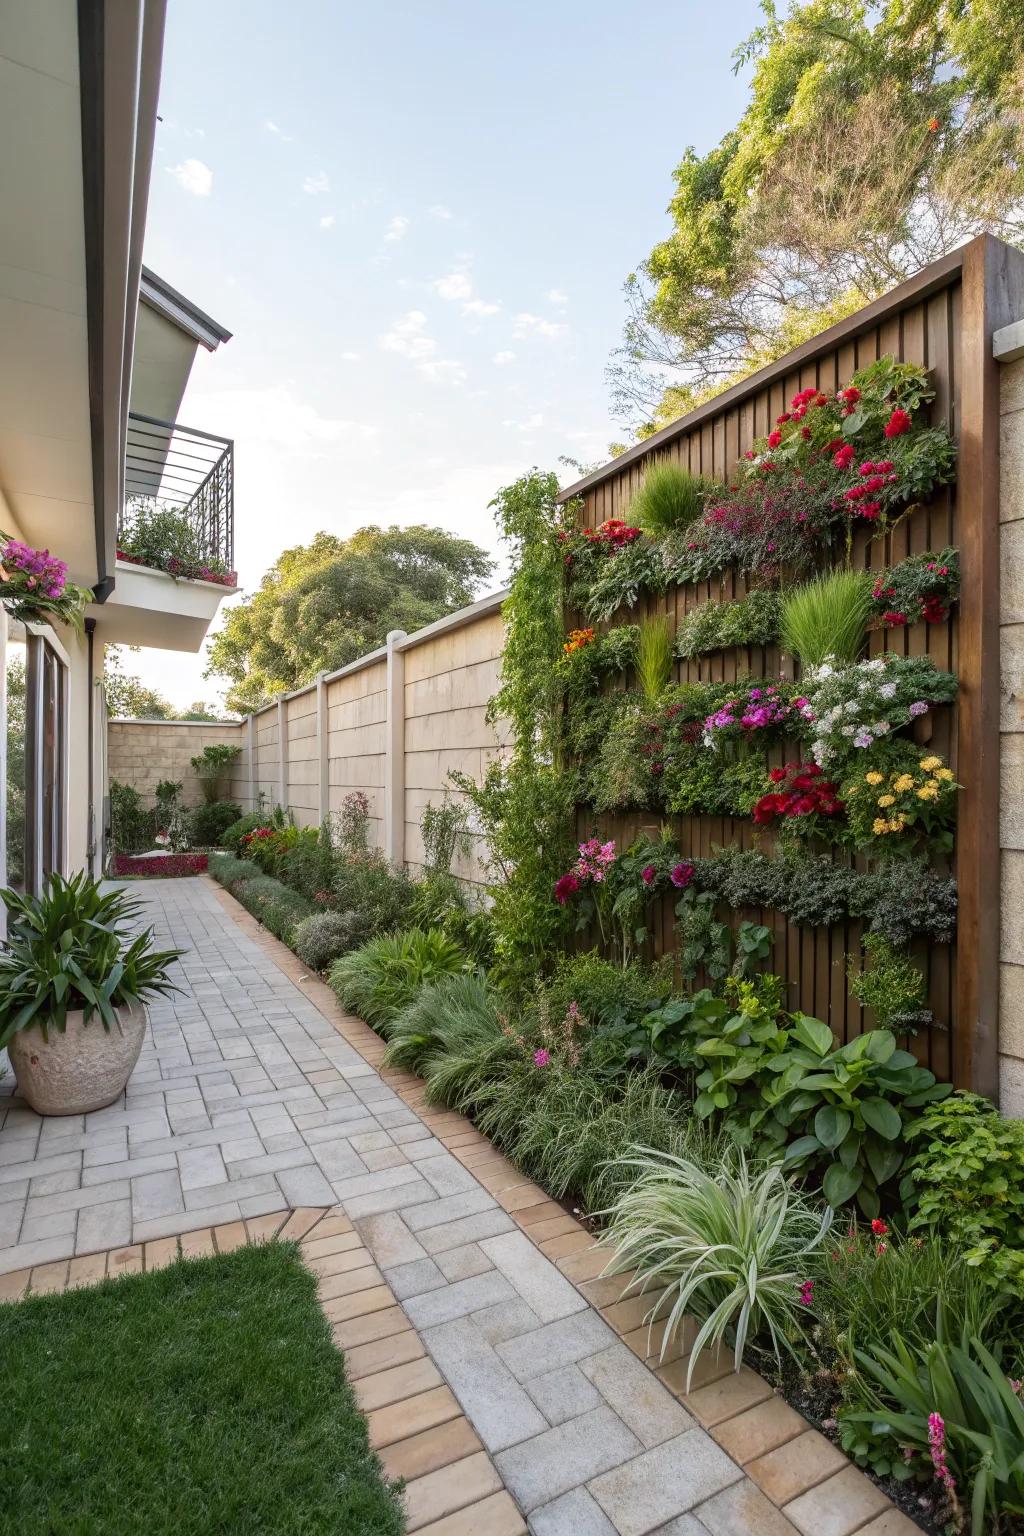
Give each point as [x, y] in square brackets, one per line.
[681, 876]
[937, 1451]
[807, 1293]
[843, 457]
[879, 1227]
[566, 886]
[542, 1058]
[898, 423]
[647, 875]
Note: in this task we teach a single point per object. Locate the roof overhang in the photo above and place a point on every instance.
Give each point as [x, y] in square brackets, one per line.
[188, 317]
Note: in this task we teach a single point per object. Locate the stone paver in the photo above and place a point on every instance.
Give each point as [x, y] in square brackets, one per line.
[491, 1357]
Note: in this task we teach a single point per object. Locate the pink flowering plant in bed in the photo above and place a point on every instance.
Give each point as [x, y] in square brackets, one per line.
[34, 584]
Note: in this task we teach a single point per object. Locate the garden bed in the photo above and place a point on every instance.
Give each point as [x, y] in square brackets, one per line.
[157, 866]
[207, 1396]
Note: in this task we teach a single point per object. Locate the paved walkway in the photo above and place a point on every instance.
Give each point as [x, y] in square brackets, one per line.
[249, 1099]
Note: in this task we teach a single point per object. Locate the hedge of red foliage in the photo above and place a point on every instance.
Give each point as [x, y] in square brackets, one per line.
[162, 867]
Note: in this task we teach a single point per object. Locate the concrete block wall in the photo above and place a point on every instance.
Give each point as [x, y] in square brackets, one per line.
[392, 724]
[143, 752]
[1011, 797]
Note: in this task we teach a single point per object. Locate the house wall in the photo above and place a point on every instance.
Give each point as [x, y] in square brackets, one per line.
[1011, 757]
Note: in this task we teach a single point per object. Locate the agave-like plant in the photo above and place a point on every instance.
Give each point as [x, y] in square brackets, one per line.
[730, 1246]
[72, 948]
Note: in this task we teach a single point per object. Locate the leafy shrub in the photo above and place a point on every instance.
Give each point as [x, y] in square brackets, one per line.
[670, 497]
[231, 837]
[308, 863]
[353, 824]
[322, 938]
[715, 626]
[459, 1007]
[368, 884]
[276, 906]
[892, 986]
[207, 823]
[605, 994]
[131, 825]
[384, 976]
[827, 617]
[230, 871]
[965, 1180]
[733, 1248]
[211, 765]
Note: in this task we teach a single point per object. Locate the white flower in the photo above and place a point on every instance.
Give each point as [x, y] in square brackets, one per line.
[851, 706]
[887, 690]
[849, 730]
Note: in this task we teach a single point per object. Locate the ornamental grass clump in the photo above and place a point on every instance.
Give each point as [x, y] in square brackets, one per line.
[384, 976]
[732, 1247]
[654, 658]
[453, 1009]
[827, 617]
[670, 497]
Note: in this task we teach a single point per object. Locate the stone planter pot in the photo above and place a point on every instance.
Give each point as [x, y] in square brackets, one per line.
[84, 1067]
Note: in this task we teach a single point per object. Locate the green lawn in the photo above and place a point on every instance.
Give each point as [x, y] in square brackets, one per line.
[203, 1398]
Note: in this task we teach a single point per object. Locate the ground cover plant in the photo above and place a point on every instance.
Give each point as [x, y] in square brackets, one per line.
[202, 1397]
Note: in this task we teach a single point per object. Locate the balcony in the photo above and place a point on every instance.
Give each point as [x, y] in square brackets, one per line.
[175, 537]
[169, 465]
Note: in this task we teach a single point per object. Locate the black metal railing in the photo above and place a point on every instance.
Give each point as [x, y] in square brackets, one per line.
[189, 470]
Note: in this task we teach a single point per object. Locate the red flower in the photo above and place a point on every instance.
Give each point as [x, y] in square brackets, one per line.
[898, 423]
[892, 618]
[879, 1227]
[774, 439]
[565, 886]
[780, 421]
[851, 394]
[843, 457]
[648, 875]
[934, 611]
[870, 509]
[933, 125]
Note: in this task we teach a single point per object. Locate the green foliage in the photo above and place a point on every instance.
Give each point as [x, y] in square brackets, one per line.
[74, 948]
[229, 871]
[211, 765]
[670, 497]
[207, 823]
[131, 825]
[275, 905]
[324, 604]
[965, 1181]
[606, 994]
[705, 943]
[919, 587]
[383, 977]
[716, 626]
[981, 1412]
[232, 835]
[902, 900]
[827, 617]
[802, 212]
[352, 824]
[654, 658]
[166, 539]
[636, 569]
[459, 1007]
[324, 937]
[728, 1247]
[892, 986]
[373, 888]
[444, 831]
[846, 1111]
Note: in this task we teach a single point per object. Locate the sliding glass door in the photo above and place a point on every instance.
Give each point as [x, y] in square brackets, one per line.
[34, 743]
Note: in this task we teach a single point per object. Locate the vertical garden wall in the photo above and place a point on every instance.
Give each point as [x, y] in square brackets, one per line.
[943, 321]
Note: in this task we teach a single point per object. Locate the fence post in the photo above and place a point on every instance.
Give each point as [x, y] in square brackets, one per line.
[322, 730]
[394, 752]
[254, 777]
[282, 754]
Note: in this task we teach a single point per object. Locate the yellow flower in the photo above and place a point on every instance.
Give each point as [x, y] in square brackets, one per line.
[879, 826]
[873, 778]
[928, 792]
[944, 773]
[931, 783]
[885, 800]
[903, 783]
[897, 824]
[928, 763]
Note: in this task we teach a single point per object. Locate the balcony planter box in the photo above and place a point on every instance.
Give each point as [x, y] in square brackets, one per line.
[82, 1068]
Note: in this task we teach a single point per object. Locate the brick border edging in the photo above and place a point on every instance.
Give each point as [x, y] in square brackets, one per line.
[804, 1474]
[415, 1423]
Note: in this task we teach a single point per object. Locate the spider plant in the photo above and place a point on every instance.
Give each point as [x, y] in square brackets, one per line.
[730, 1246]
[670, 497]
[827, 617]
[654, 657]
[385, 975]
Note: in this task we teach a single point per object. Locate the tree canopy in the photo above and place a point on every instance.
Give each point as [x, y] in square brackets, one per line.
[879, 134]
[129, 698]
[326, 603]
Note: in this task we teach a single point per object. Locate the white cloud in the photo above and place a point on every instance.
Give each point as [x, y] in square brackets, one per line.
[328, 221]
[502, 359]
[397, 229]
[278, 416]
[271, 126]
[535, 325]
[439, 211]
[455, 286]
[409, 338]
[350, 357]
[556, 296]
[529, 425]
[193, 176]
[317, 184]
[480, 308]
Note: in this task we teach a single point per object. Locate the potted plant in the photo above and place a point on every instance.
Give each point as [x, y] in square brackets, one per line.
[73, 984]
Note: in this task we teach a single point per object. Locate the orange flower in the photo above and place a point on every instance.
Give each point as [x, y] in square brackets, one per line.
[578, 638]
[933, 125]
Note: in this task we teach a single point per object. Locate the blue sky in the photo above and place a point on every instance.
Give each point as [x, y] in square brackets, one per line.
[416, 219]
